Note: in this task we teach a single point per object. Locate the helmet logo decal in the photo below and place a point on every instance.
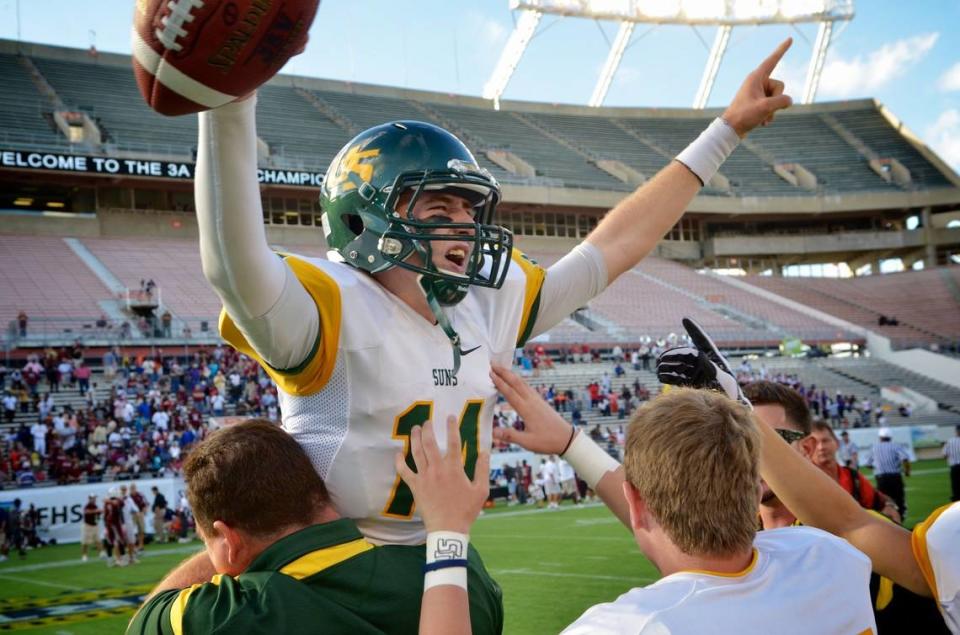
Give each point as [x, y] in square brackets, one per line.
[352, 163]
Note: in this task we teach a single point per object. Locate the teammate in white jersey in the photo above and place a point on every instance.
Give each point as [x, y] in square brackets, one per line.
[720, 576]
[361, 348]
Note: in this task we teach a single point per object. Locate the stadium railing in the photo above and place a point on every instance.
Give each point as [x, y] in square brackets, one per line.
[110, 332]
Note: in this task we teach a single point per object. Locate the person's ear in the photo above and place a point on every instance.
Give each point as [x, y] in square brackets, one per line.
[807, 445]
[637, 507]
[233, 543]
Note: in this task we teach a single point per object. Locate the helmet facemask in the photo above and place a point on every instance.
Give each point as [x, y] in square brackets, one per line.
[488, 258]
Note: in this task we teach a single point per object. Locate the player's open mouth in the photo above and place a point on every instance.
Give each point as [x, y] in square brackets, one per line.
[455, 259]
[457, 256]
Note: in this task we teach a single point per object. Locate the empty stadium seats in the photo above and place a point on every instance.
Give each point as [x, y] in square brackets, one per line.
[173, 264]
[920, 300]
[43, 277]
[561, 148]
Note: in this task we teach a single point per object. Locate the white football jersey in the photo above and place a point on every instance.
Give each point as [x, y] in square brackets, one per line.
[379, 369]
[936, 545]
[801, 580]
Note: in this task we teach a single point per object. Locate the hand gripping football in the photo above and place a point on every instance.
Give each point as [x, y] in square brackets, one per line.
[193, 55]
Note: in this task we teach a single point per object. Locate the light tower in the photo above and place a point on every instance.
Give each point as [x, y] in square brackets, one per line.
[724, 14]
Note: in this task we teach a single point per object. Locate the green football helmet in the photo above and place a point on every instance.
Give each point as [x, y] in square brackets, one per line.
[364, 227]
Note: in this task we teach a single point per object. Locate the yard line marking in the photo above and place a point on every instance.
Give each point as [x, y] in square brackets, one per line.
[55, 585]
[57, 564]
[542, 510]
[561, 574]
[625, 538]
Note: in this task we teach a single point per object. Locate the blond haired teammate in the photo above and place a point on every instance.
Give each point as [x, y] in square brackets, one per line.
[720, 575]
[925, 561]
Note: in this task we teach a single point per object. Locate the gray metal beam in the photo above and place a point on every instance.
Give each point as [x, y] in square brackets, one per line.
[817, 58]
[710, 71]
[523, 32]
[613, 62]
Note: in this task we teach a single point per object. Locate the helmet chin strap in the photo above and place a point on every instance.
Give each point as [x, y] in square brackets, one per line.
[426, 284]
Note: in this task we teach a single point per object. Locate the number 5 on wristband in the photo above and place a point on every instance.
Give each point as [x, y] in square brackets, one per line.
[400, 502]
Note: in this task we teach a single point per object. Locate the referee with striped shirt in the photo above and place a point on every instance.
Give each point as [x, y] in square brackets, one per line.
[951, 450]
[890, 462]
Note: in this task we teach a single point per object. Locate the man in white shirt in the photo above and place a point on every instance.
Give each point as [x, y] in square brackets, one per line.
[568, 481]
[847, 453]
[129, 524]
[9, 407]
[127, 412]
[39, 431]
[550, 472]
[161, 419]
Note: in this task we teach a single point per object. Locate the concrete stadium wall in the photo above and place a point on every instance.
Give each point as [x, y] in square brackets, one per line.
[122, 223]
[813, 243]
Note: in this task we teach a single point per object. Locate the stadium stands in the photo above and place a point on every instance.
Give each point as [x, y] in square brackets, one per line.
[22, 110]
[561, 145]
[44, 278]
[920, 300]
[644, 302]
[716, 291]
[874, 130]
[110, 96]
[174, 265]
[295, 130]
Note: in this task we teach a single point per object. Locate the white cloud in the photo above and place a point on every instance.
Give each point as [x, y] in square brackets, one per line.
[951, 79]
[492, 33]
[864, 75]
[944, 136]
[793, 76]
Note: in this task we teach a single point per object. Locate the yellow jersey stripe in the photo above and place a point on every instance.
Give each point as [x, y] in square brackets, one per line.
[722, 574]
[179, 606]
[535, 275]
[919, 543]
[313, 373]
[316, 561]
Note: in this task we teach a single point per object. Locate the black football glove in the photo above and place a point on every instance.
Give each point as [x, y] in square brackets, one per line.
[700, 366]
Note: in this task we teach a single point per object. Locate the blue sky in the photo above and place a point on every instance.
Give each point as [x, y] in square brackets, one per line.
[909, 59]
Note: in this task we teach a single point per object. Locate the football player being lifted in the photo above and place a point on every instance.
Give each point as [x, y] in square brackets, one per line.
[422, 291]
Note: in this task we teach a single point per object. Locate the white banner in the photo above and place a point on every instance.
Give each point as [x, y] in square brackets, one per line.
[61, 507]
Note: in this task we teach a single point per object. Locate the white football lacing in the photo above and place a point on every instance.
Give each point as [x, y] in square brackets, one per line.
[180, 12]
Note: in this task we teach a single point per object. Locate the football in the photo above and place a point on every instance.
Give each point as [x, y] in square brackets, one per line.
[193, 55]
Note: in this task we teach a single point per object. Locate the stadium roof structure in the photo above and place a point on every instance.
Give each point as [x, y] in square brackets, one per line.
[724, 14]
[818, 158]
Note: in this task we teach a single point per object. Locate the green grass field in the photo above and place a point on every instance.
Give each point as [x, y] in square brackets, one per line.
[552, 565]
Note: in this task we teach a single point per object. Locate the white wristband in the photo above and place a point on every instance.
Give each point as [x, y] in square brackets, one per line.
[446, 546]
[455, 576]
[589, 459]
[708, 151]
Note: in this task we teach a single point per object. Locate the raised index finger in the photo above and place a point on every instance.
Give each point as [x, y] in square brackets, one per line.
[766, 67]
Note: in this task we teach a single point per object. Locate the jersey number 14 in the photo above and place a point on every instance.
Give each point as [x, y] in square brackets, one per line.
[400, 503]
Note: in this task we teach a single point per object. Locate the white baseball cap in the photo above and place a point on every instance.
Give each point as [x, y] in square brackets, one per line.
[885, 433]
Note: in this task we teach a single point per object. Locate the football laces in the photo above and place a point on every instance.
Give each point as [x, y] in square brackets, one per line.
[181, 12]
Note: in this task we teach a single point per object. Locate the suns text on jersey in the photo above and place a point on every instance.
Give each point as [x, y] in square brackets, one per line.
[444, 377]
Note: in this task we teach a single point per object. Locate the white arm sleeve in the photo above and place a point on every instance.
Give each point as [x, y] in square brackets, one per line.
[571, 282]
[259, 292]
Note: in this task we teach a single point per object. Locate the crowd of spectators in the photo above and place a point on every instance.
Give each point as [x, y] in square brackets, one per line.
[840, 410]
[139, 417]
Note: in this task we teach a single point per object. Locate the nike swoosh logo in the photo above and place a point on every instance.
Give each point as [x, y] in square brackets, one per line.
[467, 352]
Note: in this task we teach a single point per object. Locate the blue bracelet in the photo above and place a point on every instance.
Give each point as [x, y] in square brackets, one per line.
[444, 564]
